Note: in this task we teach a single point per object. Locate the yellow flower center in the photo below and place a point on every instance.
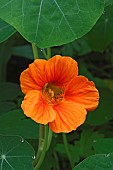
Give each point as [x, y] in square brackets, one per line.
[52, 93]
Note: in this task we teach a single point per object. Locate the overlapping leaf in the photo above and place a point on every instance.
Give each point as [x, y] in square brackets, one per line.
[6, 30]
[102, 33]
[15, 123]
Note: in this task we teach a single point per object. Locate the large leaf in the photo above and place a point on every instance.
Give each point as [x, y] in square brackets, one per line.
[51, 22]
[104, 112]
[96, 162]
[26, 51]
[15, 123]
[102, 33]
[7, 106]
[23, 51]
[9, 91]
[6, 30]
[5, 54]
[15, 153]
[103, 146]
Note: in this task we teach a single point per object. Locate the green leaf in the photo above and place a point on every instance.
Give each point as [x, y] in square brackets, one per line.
[15, 153]
[5, 54]
[103, 146]
[96, 162]
[6, 107]
[6, 30]
[9, 91]
[108, 2]
[79, 47]
[85, 143]
[51, 22]
[50, 162]
[74, 151]
[104, 112]
[109, 84]
[16, 123]
[102, 33]
[26, 51]
[23, 51]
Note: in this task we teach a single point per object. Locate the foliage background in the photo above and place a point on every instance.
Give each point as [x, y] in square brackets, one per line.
[81, 30]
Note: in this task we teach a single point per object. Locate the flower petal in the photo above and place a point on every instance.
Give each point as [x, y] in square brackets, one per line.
[61, 70]
[69, 116]
[35, 107]
[33, 78]
[82, 91]
[58, 70]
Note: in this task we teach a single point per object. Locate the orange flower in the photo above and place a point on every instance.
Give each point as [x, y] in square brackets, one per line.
[56, 95]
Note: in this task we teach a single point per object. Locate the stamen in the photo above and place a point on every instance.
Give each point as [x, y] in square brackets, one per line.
[52, 93]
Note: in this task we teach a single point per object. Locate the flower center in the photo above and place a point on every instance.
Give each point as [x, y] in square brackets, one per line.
[52, 93]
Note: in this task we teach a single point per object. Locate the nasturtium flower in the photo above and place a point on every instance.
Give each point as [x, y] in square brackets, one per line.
[56, 95]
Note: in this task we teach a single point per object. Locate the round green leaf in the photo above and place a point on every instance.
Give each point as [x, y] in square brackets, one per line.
[96, 162]
[15, 153]
[16, 123]
[6, 30]
[51, 22]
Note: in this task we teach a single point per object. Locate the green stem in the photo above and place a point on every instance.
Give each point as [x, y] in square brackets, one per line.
[43, 148]
[35, 51]
[44, 53]
[50, 135]
[48, 53]
[67, 149]
[40, 145]
[56, 158]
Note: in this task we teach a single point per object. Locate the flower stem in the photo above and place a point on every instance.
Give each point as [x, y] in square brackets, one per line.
[40, 145]
[67, 149]
[42, 148]
[48, 53]
[44, 53]
[50, 135]
[35, 51]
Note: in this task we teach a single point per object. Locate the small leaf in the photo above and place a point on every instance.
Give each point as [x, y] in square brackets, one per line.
[6, 30]
[74, 151]
[16, 123]
[96, 162]
[51, 22]
[86, 142]
[15, 153]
